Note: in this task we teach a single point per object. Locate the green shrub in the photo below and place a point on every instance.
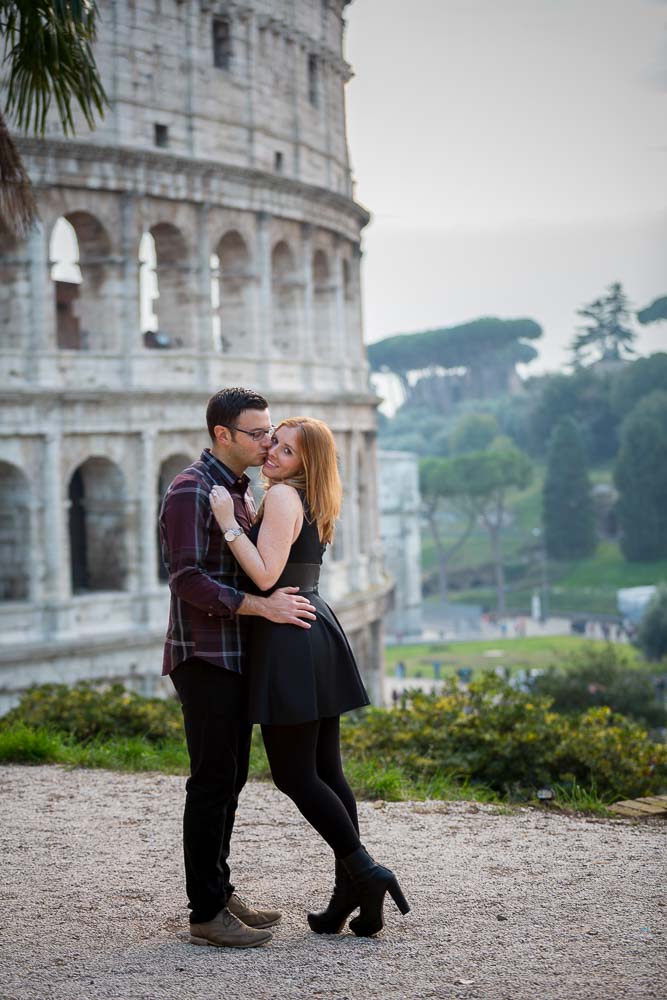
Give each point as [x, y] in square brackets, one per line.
[612, 753]
[508, 740]
[598, 675]
[87, 712]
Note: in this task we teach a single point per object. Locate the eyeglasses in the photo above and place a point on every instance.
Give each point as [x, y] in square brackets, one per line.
[255, 435]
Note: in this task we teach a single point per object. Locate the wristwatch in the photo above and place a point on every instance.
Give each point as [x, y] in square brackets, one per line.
[232, 533]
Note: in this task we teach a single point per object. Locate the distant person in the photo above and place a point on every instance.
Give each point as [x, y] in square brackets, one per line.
[400, 670]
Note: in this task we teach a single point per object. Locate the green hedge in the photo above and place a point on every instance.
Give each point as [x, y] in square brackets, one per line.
[487, 740]
[91, 713]
[510, 741]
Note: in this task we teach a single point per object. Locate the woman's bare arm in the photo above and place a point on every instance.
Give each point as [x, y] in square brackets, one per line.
[281, 524]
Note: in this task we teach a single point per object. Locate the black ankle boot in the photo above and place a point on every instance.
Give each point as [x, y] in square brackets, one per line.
[371, 882]
[342, 903]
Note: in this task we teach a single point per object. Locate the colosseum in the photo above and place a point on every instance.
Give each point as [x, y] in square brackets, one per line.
[205, 234]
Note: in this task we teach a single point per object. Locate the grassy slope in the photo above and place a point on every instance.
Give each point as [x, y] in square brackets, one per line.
[516, 654]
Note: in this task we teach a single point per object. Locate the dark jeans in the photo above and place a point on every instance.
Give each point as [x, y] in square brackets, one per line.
[218, 741]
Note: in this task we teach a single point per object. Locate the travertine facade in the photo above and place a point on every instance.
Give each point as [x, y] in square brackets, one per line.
[219, 182]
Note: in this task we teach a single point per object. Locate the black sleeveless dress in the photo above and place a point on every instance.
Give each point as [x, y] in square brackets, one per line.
[297, 675]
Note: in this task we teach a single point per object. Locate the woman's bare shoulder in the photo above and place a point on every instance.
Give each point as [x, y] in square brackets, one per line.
[284, 495]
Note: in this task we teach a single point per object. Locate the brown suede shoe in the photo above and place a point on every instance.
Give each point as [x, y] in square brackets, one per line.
[227, 931]
[249, 915]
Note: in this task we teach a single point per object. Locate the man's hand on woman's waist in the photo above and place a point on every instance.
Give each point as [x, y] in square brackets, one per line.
[284, 606]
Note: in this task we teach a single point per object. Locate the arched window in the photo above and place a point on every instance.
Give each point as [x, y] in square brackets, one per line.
[97, 526]
[15, 543]
[165, 288]
[324, 303]
[83, 275]
[148, 291]
[169, 469]
[286, 298]
[231, 294]
[66, 276]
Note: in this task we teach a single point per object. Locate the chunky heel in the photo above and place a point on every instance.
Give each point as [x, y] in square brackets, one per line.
[371, 883]
[396, 894]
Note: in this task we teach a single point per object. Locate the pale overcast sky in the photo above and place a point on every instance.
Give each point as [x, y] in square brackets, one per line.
[514, 156]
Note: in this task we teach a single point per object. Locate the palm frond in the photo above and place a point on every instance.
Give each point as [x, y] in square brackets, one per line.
[18, 208]
[48, 50]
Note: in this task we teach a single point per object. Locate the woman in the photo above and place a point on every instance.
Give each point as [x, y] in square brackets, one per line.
[301, 680]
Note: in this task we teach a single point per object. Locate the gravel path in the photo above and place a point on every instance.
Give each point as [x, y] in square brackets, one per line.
[518, 905]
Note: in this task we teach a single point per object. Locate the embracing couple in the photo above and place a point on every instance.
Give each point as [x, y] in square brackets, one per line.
[250, 640]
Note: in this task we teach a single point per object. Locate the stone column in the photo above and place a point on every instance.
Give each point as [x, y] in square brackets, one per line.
[191, 15]
[252, 45]
[326, 79]
[339, 305]
[306, 335]
[354, 526]
[148, 578]
[118, 42]
[36, 568]
[263, 286]
[202, 281]
[129, 305]
[42, 330]
[355, 343]
[298, 56]
[57, 584]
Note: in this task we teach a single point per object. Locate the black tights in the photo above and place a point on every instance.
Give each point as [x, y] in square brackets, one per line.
[306, 766]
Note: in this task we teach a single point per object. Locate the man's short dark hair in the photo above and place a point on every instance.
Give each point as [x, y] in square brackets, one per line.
[225, 407]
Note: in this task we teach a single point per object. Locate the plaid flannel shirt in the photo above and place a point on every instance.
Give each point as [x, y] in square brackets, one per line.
[204, 577]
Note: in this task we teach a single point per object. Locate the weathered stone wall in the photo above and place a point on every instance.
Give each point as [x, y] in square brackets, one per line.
[400, 520]
[280, 88]
[257, 268]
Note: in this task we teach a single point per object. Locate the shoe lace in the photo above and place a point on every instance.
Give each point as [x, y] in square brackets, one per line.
[228, 919]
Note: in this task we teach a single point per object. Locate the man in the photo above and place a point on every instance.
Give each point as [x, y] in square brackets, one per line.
[203, 655]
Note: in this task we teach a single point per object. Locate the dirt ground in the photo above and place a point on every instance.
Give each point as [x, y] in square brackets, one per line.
[518, 905]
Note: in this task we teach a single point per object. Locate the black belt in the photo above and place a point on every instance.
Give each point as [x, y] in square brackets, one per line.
[305, 576]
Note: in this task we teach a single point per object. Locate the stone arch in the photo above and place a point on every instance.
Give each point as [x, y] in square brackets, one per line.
[324, 304]
[97, 526]
[231, 296]
[166, 301]
[169, 469]
[15, 541]
[84, 276]
[286, 296]
[14, 291]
